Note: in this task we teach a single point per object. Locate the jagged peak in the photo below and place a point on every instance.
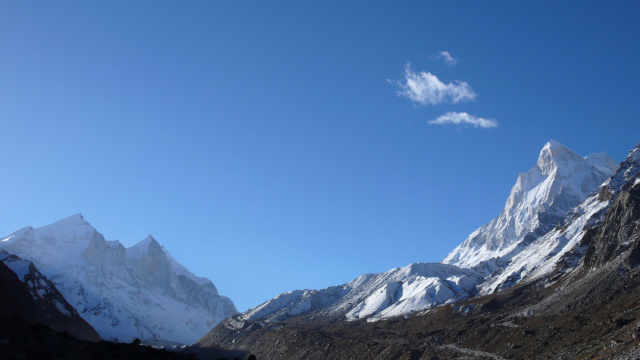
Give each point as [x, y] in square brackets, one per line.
[144, 246]
[554, 153]
[150, 239]
[557, 158]
[144, 243]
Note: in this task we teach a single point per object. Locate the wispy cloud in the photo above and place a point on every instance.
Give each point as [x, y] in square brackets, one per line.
[448, 59]
[464, 118]
[426, 89]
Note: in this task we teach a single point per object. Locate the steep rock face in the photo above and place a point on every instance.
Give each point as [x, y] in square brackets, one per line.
[124, 293]
[29, 294]
[559, 181]
[619, 232]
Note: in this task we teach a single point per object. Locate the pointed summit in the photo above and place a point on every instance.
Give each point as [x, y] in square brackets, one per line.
[72, 226]
[553, 144]
[143, 247]
[149, 240]
[554, 156]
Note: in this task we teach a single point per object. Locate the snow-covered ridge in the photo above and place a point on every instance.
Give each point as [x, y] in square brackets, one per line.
[124, 293]
[399, 291]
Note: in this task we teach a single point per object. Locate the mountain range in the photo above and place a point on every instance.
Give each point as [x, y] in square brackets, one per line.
[555, 275]
[537, 281]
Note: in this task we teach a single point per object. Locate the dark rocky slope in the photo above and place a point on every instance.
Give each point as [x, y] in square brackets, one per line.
[17, 299]
[591, 311]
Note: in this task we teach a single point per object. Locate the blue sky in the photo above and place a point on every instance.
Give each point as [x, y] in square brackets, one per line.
[272, 146]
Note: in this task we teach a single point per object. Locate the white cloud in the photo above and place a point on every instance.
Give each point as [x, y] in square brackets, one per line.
[425, 89]
[448, 59]
[464, 118]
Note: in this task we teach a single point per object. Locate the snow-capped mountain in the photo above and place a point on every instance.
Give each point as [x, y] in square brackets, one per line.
[562, 248]
[124, 293]
[559, 181]
[495, 256]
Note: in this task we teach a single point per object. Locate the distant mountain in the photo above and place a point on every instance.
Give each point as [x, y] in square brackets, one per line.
[558, 182]
[26, 293]
[571, 292]
[124, 293]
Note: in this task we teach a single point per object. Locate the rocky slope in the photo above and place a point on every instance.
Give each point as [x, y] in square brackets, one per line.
[579, 300]
[27, 294]
[124, 293]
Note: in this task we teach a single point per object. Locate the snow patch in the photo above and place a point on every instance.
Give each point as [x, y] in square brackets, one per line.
[60, 306]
